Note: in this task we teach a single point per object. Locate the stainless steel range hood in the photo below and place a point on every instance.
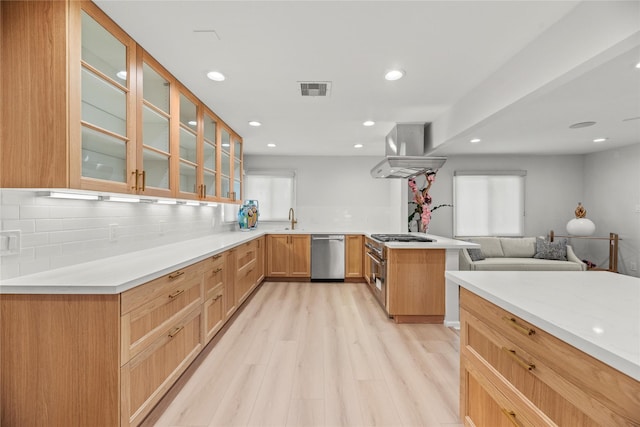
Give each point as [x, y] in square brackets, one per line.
[406, 147]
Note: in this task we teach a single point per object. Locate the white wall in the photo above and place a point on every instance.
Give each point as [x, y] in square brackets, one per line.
[334, 193]
[57, 232]
[612, 200]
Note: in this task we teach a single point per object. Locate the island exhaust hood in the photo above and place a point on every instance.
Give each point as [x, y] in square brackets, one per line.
[406, 147]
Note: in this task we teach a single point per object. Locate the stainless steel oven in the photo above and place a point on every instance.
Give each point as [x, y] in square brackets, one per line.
[378, 271]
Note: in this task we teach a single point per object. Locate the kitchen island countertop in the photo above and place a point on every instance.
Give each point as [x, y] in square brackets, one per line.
[119, 273]
[595, 312]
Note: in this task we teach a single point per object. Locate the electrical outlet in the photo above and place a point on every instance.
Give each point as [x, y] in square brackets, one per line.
[10, 242]
[633, 266]
[163, 227]
[113, 232]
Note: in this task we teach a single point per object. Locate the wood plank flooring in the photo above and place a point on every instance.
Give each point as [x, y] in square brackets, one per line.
[319, 354]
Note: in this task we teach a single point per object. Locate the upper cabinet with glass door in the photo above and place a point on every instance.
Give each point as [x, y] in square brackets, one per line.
[107, 121]
[153, 166]
[237, 168]
[209, 153]
[188, 185]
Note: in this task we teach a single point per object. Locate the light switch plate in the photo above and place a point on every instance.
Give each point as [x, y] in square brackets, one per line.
[9, 242]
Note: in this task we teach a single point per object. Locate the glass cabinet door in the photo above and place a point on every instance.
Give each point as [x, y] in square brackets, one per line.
[237, 169]
[105, 94]
[225, 165]
[209, 156]
[188, 144]
[154, 168]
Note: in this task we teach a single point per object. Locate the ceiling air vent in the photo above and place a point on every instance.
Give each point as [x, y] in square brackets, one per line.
[315, 88]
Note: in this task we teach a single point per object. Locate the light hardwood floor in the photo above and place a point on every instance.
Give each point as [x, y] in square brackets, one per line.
[319, 354]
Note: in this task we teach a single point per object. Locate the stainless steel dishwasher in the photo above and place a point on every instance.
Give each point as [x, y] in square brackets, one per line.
[327, 257]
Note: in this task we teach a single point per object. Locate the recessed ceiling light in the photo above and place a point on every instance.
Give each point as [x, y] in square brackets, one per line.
[254, 123]
[358, 146]
[475, 140]
[192, 123]
[638, 65]
[271, 145]
[122, 75]
[369, 123]
[600, 139]
[394, 75]
[226, 144]
[216, 76]
[581, 125]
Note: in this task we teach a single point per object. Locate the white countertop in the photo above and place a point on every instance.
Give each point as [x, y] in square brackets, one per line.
[438, 243]
[117, 274]
[596, 312]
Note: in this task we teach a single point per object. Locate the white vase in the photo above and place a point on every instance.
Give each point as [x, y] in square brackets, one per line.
[581, 227]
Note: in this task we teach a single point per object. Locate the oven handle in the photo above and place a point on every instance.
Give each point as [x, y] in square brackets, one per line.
[376, 259]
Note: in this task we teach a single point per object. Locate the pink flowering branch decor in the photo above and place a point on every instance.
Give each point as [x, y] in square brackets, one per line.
[422, 201]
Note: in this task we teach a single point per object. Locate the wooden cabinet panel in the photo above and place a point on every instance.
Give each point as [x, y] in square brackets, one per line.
[415, 282]
[566, 385]
[300, 256]
[353, 256]
[367, 261]
[213, 312]
[151, 373]
[261, 259]
[289, 255]
[230, 303]
[214, 276]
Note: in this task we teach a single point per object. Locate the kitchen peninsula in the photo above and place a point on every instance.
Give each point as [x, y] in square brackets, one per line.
[549, 348]
[134, 322]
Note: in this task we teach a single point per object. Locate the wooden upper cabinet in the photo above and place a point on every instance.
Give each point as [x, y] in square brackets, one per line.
[90, 109]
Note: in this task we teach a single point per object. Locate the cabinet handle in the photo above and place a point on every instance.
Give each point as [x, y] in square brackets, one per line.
[217, 256]
[514, 324]
[176, 274]
[512, 417]
[519, 360]
[135, 173]
[217, 297]
[176, 293]
[204, 191]
[175, 331]
[144, 180]
[217, 270]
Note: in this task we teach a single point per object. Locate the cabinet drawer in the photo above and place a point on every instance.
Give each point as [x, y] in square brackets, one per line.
[247, 253]
[143, 324]
[213, 312]
[214, 276]
[148, 376]
[489, 407]
[604, 386]
[539, 384]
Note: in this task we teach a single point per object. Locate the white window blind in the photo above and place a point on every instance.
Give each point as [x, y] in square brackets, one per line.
[274, 190]
[488, 203]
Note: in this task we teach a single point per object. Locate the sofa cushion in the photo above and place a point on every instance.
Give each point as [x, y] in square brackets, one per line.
[525, 264]
[551, 250]
[490, 246]
[475, 254]
[519, 247]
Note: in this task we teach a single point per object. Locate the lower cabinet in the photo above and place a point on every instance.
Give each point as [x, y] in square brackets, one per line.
[289, 255]
[107, 360]
[513, 373]
[353, 263]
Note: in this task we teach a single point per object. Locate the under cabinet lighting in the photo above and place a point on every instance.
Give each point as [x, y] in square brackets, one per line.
[166, 202]
[74, 196]
[210, 204]
[192, 203]
[121, 199]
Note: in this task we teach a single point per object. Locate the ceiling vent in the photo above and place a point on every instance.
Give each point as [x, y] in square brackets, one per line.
[315, 88]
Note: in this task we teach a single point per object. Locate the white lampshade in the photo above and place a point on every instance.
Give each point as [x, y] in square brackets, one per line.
[581, 227]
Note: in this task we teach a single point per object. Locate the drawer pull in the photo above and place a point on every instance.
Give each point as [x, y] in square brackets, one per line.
[519, 360]
[217, 270]
[512, 417]
[514, 324]
[175, 331]
[176, 274]
[217, 297]
[176, 293]
[217, 256]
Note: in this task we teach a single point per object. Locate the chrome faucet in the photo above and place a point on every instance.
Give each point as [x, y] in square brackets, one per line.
[292, 217]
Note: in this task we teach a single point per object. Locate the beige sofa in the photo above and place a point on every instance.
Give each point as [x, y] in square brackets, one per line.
[514, 253]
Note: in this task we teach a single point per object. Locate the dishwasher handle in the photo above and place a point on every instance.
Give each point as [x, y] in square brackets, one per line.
[338, 238]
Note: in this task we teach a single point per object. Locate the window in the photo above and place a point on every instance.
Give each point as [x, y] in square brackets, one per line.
[488, 203]
[274, 190]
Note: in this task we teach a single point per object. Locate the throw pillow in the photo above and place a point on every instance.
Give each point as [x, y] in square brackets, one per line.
[475, 254]
[551, 250]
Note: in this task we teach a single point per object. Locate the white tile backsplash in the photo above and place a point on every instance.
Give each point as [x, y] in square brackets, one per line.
[60, 232]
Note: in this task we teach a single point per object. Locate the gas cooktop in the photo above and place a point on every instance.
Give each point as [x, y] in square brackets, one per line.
[401, 238]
